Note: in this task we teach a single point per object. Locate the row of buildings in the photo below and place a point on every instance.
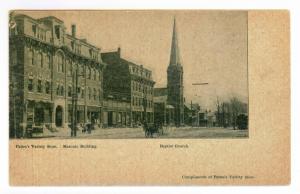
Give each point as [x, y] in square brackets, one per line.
[110, 90]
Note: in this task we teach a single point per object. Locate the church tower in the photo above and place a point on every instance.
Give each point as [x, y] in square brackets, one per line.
[175, 80]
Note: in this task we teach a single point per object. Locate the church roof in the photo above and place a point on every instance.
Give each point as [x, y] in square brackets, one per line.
[175, 55]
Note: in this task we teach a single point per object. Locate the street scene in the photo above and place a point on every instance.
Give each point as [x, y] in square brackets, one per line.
[140, 74]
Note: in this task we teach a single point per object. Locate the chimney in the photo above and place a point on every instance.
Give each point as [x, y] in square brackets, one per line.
[74, 30]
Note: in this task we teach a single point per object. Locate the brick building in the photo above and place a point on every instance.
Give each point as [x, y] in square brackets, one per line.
[127, 82]
[43, 60]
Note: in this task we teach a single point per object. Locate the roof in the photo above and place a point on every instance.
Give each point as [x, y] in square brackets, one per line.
[160, 92]
[175, 55]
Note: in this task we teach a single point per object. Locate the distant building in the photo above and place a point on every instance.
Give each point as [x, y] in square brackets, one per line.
[129, 83]
[192, 114]
[174, 88]
[43, 58]
[163, 112]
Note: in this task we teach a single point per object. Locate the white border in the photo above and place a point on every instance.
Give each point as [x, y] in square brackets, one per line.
[151, 4]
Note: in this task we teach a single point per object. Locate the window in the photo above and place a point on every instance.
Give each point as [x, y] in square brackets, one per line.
[30, 56]
[89, 73]
[99, 95]
[95, 94]
[40, 59]
[96, 74]
[70, 91]
[33, 58]
[62, 90]
[92, 73]
[47, 87]
[60, 63]
[82, 93]
[57, 90]
[39, 86]
[78, 91]
[81, 70]
[30, 85]
[90, 93]
[34, 30]
[47, 61]
[69, 68]
[57, 31]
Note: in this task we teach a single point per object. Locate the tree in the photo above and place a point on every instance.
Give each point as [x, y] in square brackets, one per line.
[236, 107]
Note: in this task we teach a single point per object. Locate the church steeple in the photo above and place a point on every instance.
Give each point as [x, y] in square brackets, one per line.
[175, 80]
[175, 56]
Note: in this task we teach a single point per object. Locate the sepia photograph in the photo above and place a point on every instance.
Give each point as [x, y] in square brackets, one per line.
[148, 97]
[128, 74]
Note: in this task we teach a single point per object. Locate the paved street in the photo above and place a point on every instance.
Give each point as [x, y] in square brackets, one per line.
[169, 132]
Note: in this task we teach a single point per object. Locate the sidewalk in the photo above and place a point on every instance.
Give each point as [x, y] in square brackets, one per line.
[113, 133]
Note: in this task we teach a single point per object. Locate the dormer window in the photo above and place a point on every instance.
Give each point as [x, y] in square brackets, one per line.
[57, 31]
[34, 30]
[72, 45]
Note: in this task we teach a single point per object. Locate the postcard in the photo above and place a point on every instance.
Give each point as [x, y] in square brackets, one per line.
[149, 97]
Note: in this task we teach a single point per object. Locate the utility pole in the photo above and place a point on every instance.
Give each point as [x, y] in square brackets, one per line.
[198, 84]
[74, 103]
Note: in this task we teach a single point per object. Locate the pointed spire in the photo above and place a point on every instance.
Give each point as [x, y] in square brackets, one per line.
[175, 56]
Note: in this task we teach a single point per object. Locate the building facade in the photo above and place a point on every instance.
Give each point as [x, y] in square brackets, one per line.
[43, 61]
[128, 82]
[163, 112]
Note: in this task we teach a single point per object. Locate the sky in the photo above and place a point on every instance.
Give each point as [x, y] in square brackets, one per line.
[212, 44]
